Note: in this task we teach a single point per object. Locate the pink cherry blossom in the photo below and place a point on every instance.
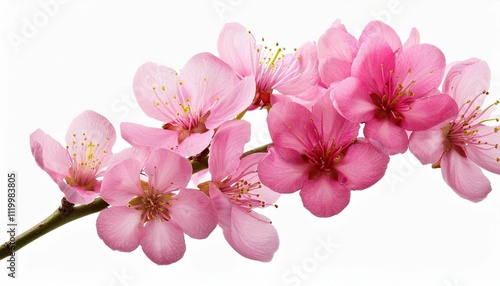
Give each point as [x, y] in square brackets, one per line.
[147, 210]
[236, 192]
[463, 144]
[78, 167]
[318, 153]
[393, 89]
[192, 103]
[288, 73]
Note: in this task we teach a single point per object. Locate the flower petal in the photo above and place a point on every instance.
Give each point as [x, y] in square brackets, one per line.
[194, 213]
[50, 155]
[222, 205]
[464, 177]
[362, 156]
[283, 170]
[138, 153]
[429, 111]
[122, 183]
[167, 171]
[487, 157]
[195, 143]
[467, 79]
[386, 137]
[290, 126]
[420, 68]
[163, 242]
[324, 197]
[253, 238]
[248, 172]
[236, 46]
[378, 29]
[142, 136]
[352, 99]
[427, 145]
[227, 148]
[120, 228]
[77, 195]
[330, 125]
[413, 39]
[154, 87]
[232, 102]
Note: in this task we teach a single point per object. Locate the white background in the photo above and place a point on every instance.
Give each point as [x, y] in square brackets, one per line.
[408, 229]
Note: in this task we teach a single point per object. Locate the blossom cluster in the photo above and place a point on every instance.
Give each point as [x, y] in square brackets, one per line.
[338, 108]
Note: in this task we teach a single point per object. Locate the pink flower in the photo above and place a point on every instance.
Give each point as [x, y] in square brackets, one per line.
[393, 89]
[318, 153]
[205, 94]
[290, 74]
[77, 169]
[147, 210]
[463, 144]
[236, 192]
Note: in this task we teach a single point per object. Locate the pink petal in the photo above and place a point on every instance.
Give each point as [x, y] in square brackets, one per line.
[428, 145]
[334, 70]
[227, 148]
[337, 43]
[378, 29]
[91, 127]
[464, 177]
[222, 205]
[77, 195]
[291, 126]
[467, 79]
[386, 137]
[428, 111]
[205, 78]
[374, 64]
[362, 156]
[137, 153]
[163, 242]
[195, 143]
[122, 183]
[487, 157]
[353, 100]
[236, 46]
[324, 197]
[283, 170]
[330, 125]
[50, 155]
[154, 88]
[413, 39]
[194, 213]
[252, 238]
[301, 70]
[141, 136]
[120, 228]
[232, 102]
[420, 68]
[167, 171]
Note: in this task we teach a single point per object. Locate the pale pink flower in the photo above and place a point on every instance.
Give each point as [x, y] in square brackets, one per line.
[148, 210]
[192, 103]
[288, 73]
[318, 152]
[463, 144]
[78, 167]
[236, 191]
[393, 89]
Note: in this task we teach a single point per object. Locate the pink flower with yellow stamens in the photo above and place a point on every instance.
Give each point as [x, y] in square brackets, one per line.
[464, 144]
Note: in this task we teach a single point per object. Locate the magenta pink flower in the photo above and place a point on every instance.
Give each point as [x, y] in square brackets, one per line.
[393, 89]
[290, 74]
[205, 94]
[236, 192]
[463, 144]
[77, 169]
[147, 210]
[318, 153]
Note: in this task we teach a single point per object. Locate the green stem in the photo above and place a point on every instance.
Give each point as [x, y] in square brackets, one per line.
[67, 213]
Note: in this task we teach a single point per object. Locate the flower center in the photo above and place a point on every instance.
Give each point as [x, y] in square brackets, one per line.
[323, 157]
[188, 125]
[152, 203]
